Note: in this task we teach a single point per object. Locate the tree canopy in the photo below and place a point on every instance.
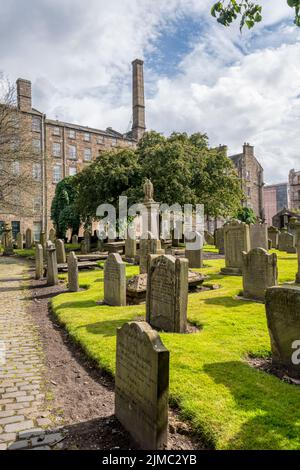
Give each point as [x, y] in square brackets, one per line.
[249, 12]
[64, 213]
[182, 168]
[247, 215]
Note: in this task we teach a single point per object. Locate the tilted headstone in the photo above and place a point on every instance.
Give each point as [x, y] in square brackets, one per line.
[39, 261]
[282, 308]
[73, 272]
[75, 240]
[273, 233]
[286, 242]
[259, 273]
[130, 243]
[20, 241]
[209, 238]
[28, 239]
[194, 249]
[114, 280]
[219, 240]
[52, 272]
[148, 245]
[236, 240]
[297, 230]
[60, 251]
[142, 385]
[7, 240]
[87, 239]
[167, 293]
[52, 235]
[258, 236]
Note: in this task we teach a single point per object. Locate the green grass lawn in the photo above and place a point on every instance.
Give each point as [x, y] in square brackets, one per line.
[230, 404]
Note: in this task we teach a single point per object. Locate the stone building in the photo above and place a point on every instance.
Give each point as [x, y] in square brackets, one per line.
[276, 198]
[252, 179]
[64, 149]
[294, 184]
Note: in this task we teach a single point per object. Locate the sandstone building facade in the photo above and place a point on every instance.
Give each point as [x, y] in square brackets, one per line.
[63, 149]
[294, 185]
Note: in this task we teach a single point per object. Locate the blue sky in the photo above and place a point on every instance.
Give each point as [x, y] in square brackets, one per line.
[199, 75]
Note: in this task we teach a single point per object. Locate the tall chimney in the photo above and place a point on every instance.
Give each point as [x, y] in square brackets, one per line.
[138, 99]
[24, 95]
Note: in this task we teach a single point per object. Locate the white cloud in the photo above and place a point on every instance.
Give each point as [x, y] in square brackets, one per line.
[236, 88]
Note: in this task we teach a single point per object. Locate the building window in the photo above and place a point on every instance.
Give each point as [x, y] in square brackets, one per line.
[36, 143]
[37, 204]
[37, 171]
[36, 124]
[72, 171]
[87, 137]
[56, 174]
[248, 175]
[87, 155]
[114, 142]
[56, 149]
[72, 152]
[56, 131]
[16, 168]
[100, 139]
[72, 134]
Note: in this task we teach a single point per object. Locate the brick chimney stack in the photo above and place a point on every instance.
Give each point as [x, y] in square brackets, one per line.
[24, 95]
[138, 99]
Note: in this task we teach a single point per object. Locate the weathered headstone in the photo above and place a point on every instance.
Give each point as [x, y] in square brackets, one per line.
[259, 273]
[273, 236]
[75, 240]
[87, 239]
[219, 240]
[28, 239]
[297, 230]
[236, 240]
[7, 240]
[292, 225]
[286, 242]
[209, 238]
[114, 280]
[83, 248]
[167, 293]
[148, 245]
[282, 308]
[52, 272]
[130, 243]
[142, 385]
[258, 236]
[73, 272]
[20, 241]
[60, 251]
[52, 235]
[39, 261]
[194, 250]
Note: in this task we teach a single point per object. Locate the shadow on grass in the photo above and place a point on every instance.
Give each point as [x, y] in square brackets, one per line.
[276, 407]
[227, 302]
[77, 304]
[104, 328]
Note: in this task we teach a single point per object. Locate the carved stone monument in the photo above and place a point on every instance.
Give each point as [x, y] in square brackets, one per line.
[39, 261]
[142, 385]
[114, 280]
[236, 240]
[219, 240]
[148, 245]
[194, 250]
[28, 239]
[259, 273]
[258, 236]
[52, 272]
[73, 272]
[60, 251]
[7, 240]
[273, 233]
[20, 241]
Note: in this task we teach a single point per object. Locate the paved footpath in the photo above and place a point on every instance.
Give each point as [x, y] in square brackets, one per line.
[23, 407]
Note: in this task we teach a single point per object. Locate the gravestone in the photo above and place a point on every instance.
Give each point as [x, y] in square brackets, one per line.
[52, 272]
[74, 239]
[209, 238]
[219, 240]
[87, 239]
[7, 240]
[259, 273]
[297, 230]
[39, 261]
[292, 225]
[148, 245]
[60, 251]
[52, 235]
[286, 242]
[167, 293]
[73, 272]
[258, 236]
[194, 250]
[28, 239]
[114, 280]
[43, 242]
[282, 308]
[20, 241]
[130, 243]
[150, 216]
[273, 233]
[142, 385]
[236, 240]
[83, 248]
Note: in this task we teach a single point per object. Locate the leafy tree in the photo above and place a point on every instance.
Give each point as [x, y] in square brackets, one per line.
[250, 12]
[64, 213]
[247, 215]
